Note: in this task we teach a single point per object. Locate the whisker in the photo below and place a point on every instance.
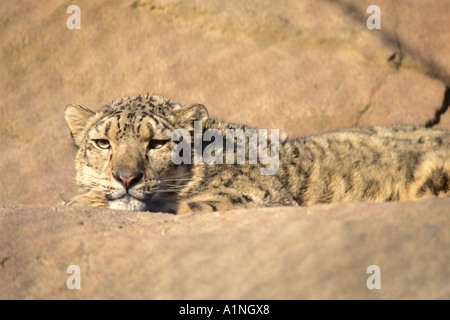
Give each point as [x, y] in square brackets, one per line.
[170, 186]
[165, 186]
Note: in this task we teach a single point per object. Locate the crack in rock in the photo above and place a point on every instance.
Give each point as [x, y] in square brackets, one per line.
[361, 113]
[396, 59]
[3, 262]
[366, 108]
[439, 112]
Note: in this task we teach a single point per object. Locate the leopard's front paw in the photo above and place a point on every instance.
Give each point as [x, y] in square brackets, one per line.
[196, 207]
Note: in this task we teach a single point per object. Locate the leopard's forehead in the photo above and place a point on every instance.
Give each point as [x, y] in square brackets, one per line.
[154, 104]
[142, 117]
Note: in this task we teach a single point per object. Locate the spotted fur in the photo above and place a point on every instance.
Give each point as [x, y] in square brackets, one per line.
[124, 162]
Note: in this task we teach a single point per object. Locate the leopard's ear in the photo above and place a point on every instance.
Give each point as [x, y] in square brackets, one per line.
[77, 117]
[187, 115]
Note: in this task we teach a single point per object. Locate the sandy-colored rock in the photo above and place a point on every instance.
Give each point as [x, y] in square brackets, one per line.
[303, 67]
[399, 93]
[277, 253]
[417, 31]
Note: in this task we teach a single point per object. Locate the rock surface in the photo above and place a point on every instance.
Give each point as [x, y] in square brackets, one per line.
[319, 252]
[303, 67]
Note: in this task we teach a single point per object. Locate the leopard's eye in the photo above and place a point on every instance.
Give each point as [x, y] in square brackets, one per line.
[156, 144]
[102, 143]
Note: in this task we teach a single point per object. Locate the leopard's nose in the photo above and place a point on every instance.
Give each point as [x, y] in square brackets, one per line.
[128, 180]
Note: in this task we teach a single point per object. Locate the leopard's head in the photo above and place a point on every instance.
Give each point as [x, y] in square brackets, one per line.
[124, 151]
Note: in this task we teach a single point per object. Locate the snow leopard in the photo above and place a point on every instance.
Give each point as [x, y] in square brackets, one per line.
[129, 158]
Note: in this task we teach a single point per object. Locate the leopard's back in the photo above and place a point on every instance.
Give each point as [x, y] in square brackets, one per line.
[394, 163]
